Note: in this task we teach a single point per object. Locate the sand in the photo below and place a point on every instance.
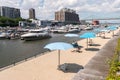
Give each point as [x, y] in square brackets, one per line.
[45, 67]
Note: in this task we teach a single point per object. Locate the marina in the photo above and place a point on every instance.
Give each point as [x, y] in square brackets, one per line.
[59, 40]
[16, 50]
[40, 66]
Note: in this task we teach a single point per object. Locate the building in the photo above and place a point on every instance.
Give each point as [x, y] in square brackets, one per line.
[83, 22]
[9, 12]
[95, 22]
[67, 16]
[45, 23]
[31, 13]
[23, 23]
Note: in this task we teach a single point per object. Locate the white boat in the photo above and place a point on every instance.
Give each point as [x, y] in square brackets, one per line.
[62, 29]
[74, 30]
[4, 35]
[36, 34]
[89, 28]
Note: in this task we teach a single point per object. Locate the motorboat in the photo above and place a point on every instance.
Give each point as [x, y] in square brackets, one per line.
[89, 28]
[62, 29]
[4, 35]
[35, 34]
[74, 30]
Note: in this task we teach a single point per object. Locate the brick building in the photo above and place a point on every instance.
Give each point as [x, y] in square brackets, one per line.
[67, 16]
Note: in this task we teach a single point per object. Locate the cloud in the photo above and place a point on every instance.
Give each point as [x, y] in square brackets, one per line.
[26, 4]
[24, 13]
[116, 4]
[13, 3]
[45, 8]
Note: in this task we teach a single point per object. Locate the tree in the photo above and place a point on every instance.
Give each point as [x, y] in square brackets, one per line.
[5, 21]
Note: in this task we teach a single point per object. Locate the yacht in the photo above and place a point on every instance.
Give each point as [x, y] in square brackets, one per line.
[36, 34]
[62, 29]
[4, 35]
[89, 28]
[74, 30]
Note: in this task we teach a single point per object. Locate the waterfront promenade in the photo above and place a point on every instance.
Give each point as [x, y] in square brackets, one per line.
[98, 68]
[45, 67]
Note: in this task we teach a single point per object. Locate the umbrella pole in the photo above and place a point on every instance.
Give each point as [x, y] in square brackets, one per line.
[87, 42]
[113, 34]
[58, 57]
[104, 34]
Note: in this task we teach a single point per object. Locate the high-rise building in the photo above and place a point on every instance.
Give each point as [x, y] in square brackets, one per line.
[9, 12]
[68, 16]
[31, 13]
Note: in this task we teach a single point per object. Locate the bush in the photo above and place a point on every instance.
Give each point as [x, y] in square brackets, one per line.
[114, 64]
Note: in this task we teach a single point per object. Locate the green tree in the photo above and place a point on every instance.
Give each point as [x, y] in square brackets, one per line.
[5, 21]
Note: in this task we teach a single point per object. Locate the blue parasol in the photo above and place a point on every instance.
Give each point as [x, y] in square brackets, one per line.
[59, 46]
[71, 35]
[88, 35]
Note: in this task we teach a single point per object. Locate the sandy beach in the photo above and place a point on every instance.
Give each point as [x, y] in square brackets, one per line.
[45, 67]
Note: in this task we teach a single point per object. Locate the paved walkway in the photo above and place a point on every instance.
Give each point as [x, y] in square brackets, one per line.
[97, 68]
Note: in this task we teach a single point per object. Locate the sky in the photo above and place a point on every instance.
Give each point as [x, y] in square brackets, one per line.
[87, 9]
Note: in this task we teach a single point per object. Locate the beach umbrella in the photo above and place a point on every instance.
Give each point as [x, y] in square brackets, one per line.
[88, 35]
[71, 35]
[104, 31]
[97, 31]
[59, 46]
[112, 28]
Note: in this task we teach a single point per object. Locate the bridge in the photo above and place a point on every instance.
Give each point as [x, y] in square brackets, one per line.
[102, 19]
[96, 17]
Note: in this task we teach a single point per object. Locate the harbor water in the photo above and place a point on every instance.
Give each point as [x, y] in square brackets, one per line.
[12, 51]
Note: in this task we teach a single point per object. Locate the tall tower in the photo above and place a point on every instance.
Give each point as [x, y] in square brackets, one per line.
[31, 13]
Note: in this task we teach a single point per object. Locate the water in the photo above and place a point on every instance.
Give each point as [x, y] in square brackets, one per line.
[16, 50]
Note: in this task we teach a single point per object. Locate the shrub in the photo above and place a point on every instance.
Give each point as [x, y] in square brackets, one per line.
[114, 64]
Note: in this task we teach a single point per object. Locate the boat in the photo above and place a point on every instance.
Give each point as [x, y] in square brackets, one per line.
[4, 35]
[35, 34]
[62, 29]
[89, 28]
[74, 30]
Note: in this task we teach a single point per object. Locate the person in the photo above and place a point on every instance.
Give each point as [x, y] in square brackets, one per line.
[75, 45]
[78, 49]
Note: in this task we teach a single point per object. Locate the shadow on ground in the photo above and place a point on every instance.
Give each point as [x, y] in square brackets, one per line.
[92, 49]
[116, 35]
[72, 68]
[94, 45]
[105, 37]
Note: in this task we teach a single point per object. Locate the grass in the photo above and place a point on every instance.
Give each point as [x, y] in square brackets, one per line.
[114, 63]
